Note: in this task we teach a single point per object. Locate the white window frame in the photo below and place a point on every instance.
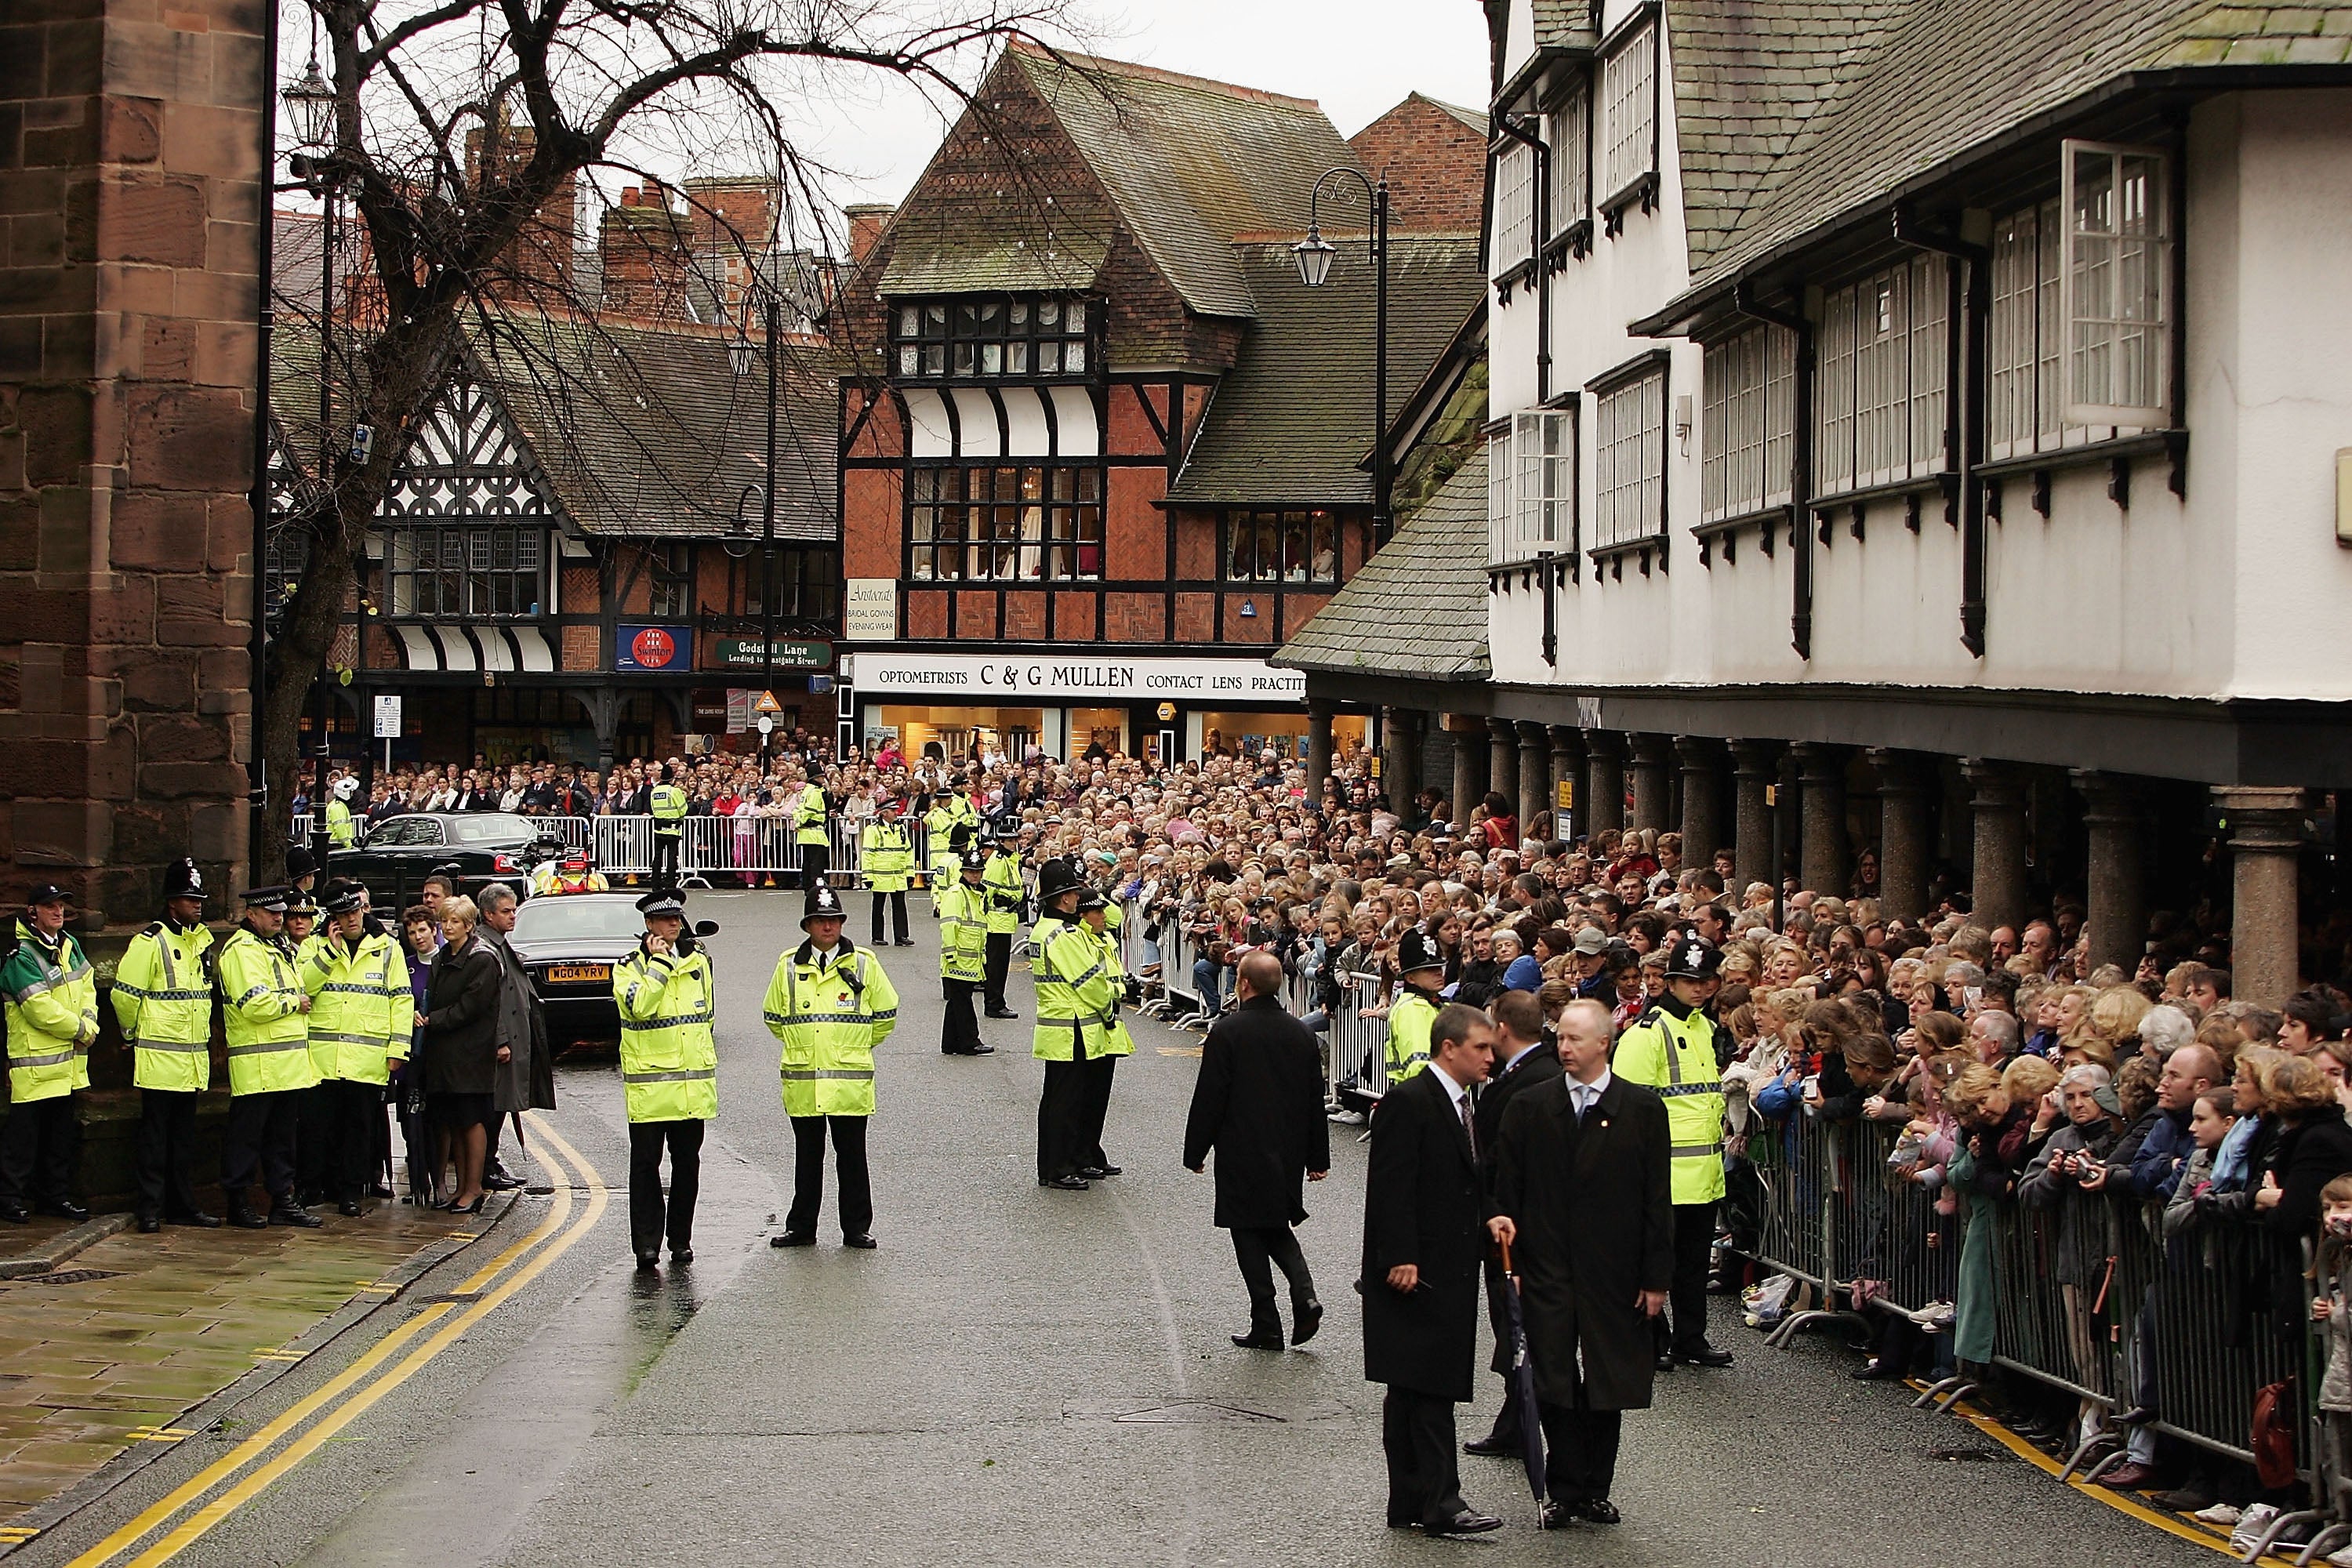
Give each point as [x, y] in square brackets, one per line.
[2109, 334]
[1747, 427]
[1882, 379]
[1629, 462]
[1567, 131]
[1629, 101]
[1531, 486]
[1515, 205]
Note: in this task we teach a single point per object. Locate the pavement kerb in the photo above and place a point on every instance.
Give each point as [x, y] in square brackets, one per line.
[202, 1417]
[65, 1245]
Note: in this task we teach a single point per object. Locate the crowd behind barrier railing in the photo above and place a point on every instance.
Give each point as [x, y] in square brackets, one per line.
[2087, 1295]
[717, 850]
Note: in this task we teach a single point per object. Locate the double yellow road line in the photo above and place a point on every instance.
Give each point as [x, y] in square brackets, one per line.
[241, 1475]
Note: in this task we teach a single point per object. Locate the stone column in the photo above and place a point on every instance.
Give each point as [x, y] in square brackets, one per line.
[1702, 759]
[1651, 756]
[1904, 851]
[1568, 768]
[1535, 772]
[1997, 876]
[1606, 775]
[1503, 765]
[2115, 876]
[1821, 794]
[1756, 767]
[2265, 843]
[1468, 767]
[1400, 756]
[1319, 714]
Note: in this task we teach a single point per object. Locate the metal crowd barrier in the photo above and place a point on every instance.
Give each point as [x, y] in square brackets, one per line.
[746, 851]
[2088, 1297]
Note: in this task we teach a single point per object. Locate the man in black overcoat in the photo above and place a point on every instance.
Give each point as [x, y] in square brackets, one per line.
[1583, 1195]
[1522, 1062]
[1258, 1103]
[1424, 1242]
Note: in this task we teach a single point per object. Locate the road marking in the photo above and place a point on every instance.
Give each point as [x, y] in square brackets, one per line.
[1177, 1050]
[555, 1229]
[2110, 1495]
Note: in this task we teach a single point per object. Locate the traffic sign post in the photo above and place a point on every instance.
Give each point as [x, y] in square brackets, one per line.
[387, 722]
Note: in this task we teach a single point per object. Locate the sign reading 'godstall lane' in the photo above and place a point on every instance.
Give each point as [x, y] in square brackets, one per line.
[1196, 681]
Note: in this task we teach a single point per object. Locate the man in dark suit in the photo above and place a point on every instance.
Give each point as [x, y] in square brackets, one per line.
[1424, 1242]
[1258, 1102]
[1521, 1063]
[1582, 1195]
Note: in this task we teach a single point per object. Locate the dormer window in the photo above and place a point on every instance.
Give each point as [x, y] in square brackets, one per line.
[988, 337]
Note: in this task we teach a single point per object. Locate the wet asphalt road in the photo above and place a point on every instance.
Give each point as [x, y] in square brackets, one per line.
[1020, 1376]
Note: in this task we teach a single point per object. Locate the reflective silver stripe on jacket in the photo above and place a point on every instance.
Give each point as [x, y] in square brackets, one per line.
[192, 1046]
[689, 1076]
[50, 1060]
[376, 1040]
[1675, 1090]
[1679, 1151]
[255, 1050]
[805, 1075]
[671, 1022]
[162, 995]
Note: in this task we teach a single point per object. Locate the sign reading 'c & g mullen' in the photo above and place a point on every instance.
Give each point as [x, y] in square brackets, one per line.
[1018, 676]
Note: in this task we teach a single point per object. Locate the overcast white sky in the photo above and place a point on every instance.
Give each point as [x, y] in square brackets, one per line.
[1357, 58]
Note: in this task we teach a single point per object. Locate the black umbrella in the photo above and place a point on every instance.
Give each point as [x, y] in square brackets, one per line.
[1523, 1383]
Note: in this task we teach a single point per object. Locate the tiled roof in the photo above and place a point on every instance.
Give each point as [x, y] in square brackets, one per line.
[1559, 24]
[1910, 84]
[1189, 162]
[1293, 418]
[647, 431]
[1418, 608]
[638, 430]
[1475, 119]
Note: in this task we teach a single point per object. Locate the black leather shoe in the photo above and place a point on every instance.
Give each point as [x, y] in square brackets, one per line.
[678, 1255]
[1466, 1522]
[1306, 1317]
[648, 1261]
[1093, 1173]
[1493, 1445]
[1877, 1369]
[248, 1219]
[1001, 1013]
[1704, 1354]
[1256, 1340]
[499, 1183]
[792, 1239]
[1665, 1361]
[16, 1214]
[1601, 1510]
[905, 941]
[350, 1208]
[1066, 1183]
[303, 1219]
[1559, 1515]
[1111, 1170]
[149, 1225]
[983, 1051]
[197, 1218]
[861, 1242]
[65, 1208]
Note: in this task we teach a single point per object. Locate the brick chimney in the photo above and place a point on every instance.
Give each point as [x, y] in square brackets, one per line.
[646, 247]
[541, 257]
[866, 221]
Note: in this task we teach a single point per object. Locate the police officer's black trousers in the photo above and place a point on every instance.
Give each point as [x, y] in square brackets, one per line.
[897, 902]
[1000, 965]
[39, 1144]
[1061, 1111]
[816, 860]
[167, 1144]
[848, 1166]
[649, 1219]
[665, 858]
[349, 1115]
[960, 1035]
[1099, 1072]
[261, 1132]
[1694, 1244]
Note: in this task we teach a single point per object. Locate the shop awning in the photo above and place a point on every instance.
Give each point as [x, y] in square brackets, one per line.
[495, 648]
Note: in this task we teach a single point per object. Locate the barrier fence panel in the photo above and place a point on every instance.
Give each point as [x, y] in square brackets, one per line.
[1789, 1193]
[623, 846]
[1893, 1245]
[2229, 1312]
[299, 828]
[1357, 1053]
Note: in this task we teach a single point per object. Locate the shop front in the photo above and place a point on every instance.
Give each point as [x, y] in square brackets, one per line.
[1061, 705]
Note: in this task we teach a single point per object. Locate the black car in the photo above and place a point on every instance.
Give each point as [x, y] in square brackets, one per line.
[477, 847]
[568, 943]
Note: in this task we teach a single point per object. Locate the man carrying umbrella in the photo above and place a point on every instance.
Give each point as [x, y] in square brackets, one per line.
[1521, 1064]
[1582, 1195]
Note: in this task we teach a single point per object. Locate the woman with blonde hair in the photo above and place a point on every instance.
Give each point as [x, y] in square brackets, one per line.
[460, 1021]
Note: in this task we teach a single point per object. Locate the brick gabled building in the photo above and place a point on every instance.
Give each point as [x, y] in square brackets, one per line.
[1100, 439]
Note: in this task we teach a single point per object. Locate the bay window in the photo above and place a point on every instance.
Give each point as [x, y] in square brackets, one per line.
[1531, 486]
[1629, 458]
[2116, 273]
[990, 524]
[1882, 379]
[1629, 121]
[980, 338]
[458, 571]
[1748, 422]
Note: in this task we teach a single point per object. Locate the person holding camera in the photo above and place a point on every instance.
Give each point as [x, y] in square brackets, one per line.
[669, 1074]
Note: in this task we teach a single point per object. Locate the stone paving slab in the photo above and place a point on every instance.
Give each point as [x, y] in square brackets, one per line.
[90, 1367]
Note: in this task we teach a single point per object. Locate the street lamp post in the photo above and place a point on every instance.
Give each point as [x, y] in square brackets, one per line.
[1314, 255]
[740, 356]
[311, 103]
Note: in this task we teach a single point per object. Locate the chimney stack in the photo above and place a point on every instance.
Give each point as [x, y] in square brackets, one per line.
[866, 221]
